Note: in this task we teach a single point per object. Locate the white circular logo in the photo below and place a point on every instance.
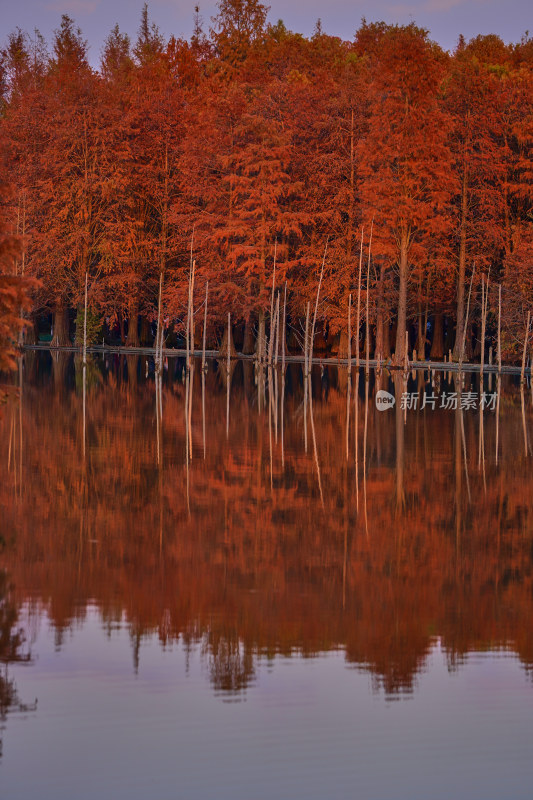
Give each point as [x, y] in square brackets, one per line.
[384, 400]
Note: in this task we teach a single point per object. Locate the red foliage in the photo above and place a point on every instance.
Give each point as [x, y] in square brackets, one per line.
[253, 135]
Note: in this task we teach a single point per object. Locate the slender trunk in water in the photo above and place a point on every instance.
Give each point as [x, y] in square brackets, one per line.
[380, 322]
[399, 353]
[261, 337]
[461, 273]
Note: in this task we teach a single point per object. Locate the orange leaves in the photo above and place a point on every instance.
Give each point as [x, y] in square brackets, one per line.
[256, 135]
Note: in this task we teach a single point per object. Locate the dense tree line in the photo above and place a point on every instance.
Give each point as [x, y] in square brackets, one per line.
[248, 145]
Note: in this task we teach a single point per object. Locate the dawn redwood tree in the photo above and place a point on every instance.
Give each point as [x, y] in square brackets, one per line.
[517, 132]
[238, 27]
[517, 283]
[329, 101]
[13, 287]
[240, 145]
[259, 182]
[517, 293]
[24, 124]
[116, 262]
[474, 96]
[404, 159]
[240, 150]
[147, 138]
[132, 224]
[68, 177]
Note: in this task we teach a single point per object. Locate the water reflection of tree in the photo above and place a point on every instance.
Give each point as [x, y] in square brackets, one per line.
[257, 546]
[12, 642]
[230, 662]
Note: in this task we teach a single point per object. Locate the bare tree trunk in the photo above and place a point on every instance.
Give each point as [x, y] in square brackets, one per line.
[384, 317]
[261, 337]
[421, 336]
[399, 353]
[468, 343]
[477, 346]
[380, 322]
[369, 340]
[461, 273]
[223, 350]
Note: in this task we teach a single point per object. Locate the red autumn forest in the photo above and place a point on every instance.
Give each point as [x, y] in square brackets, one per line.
[249, 143]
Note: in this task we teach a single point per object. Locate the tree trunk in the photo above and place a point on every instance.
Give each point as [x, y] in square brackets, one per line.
[320, 344]
[342, 352]
[380, 322]
[421, 341]
[342, 345]
[61, 336]
[31, 331]
[385, 322]
[260, 347]
[437, 345]
[146, 332]
[462, 273]
[223, 349]
[370, 338]
[386, 339]
[477, 346]
[468, 343]
[248, 344]
[133, 324]
[399, 351]
[380, 339]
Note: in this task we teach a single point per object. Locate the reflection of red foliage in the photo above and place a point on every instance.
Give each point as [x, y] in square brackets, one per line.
[258, 566]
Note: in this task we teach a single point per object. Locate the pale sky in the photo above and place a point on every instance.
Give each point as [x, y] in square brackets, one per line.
[445, 19]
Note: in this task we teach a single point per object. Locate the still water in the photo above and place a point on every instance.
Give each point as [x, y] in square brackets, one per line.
[214, 589]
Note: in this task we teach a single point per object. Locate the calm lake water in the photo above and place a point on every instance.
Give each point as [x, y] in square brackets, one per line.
[250, 595]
